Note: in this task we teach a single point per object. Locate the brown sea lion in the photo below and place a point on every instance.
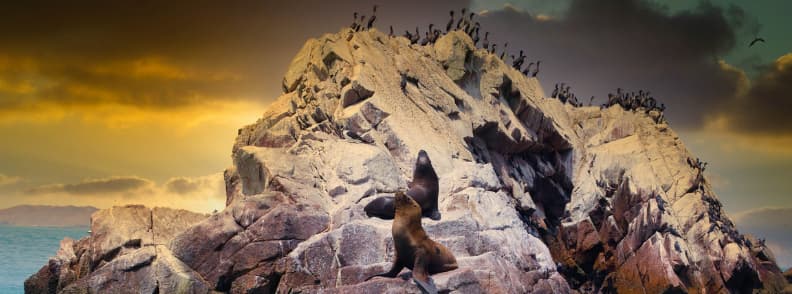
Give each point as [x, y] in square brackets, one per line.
[423, 188]
[414, 249]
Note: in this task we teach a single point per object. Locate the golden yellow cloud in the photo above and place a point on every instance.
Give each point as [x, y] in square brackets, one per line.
[201, 194]
[9, 180]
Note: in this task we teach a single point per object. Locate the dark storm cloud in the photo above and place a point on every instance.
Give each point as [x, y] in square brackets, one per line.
[165, 54]
[597, 46]
[766, 105]
[110, 185]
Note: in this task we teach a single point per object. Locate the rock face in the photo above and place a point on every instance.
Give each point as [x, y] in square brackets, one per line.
[535, 196]
[126, 250]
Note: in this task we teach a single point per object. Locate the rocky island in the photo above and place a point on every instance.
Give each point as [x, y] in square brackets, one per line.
[536, 196]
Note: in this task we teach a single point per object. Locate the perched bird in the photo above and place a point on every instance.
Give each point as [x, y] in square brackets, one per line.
[461, 20]
[485, 43]
[528, 70]
[492, 50]
[360, 23]
[372, 19]
[473, 29]
[468, 27]
[756, 40]
[555, 92]
[450, 22]
[415, 38]
[536, 71]
[503, 53]
[425, 39]
[517, 63]
[391, 32]
[476, 37]
[354, 22]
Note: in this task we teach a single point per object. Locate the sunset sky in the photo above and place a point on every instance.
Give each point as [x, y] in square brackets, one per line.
[112, 102]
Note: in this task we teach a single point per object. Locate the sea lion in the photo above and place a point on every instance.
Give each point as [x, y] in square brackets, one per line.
[423, 188]
[414, 249]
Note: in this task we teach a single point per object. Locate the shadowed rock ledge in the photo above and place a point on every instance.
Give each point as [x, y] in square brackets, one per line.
[536, 196]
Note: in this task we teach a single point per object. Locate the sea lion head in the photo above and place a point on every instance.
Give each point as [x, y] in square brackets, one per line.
[423, 167]
[406, 205]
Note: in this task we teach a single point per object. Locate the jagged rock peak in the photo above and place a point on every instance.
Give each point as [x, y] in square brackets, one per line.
[535, 195]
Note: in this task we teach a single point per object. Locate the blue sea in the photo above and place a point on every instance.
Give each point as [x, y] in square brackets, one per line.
[24, 250]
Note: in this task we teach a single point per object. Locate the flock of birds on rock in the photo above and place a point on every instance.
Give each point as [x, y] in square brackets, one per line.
[562, 92]
[642, 100]
[697, 164]
[465, 23]
[629, 101]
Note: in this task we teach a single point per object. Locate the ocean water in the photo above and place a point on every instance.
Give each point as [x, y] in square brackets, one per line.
[24, 250]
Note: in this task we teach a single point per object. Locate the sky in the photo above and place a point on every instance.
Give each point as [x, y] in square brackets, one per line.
[111, 102]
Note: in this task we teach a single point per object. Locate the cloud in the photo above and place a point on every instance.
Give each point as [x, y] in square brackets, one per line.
[764, 107]
[164, 56]
[597, 46]
[96, 186]
[202, 193]
[189, 185]
[9, 180]
[773, 224]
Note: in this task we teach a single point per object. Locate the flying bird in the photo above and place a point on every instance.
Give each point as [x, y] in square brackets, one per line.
[756, 40]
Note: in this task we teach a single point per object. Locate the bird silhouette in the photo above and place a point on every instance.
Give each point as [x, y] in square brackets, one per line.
[756, 40]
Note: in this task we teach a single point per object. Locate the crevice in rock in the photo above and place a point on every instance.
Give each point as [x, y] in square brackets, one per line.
[142, 264]
[743, 279]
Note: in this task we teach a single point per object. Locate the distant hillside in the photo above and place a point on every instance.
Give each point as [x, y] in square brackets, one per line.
[45, 215]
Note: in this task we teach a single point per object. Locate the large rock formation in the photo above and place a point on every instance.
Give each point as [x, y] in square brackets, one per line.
[125, 252]
[536, 196]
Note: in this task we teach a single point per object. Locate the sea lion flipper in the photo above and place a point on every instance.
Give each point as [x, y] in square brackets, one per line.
[427, 287]
[420, 273]
[392, 273]
[435, 215]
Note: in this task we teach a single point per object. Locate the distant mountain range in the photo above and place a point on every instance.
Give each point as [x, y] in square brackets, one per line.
[47, 216]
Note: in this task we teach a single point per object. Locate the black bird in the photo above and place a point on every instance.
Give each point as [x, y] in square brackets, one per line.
[536, 71]
[372, 19]
[476, 37]
[506, 45]
[755, 40]
[355, 22]
[425, 39]
[459, 23]
[527, 70]
[360, 23]
[468, 24]
[391, 32]
[485, 43]
[519, 62]
[450, 22]
[473, 29]
[415, 38]
[493, 48]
